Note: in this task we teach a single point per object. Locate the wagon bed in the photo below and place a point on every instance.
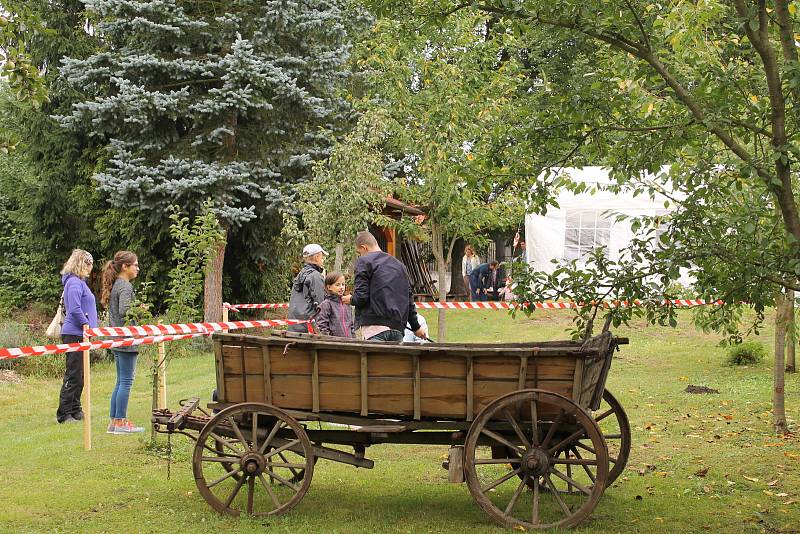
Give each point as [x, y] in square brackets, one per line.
[535, 416]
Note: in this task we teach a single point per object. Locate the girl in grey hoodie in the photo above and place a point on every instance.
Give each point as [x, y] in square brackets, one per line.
[335, 318]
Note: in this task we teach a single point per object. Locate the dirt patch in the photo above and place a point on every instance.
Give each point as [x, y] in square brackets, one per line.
[8, 376]
[700, 389]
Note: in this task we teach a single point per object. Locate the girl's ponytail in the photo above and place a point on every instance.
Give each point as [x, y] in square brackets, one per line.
[109, 276]
[111, 272]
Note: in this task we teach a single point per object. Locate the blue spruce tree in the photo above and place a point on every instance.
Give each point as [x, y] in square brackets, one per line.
[230, 101]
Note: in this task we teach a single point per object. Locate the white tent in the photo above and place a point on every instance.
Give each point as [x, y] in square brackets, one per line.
[585, 221]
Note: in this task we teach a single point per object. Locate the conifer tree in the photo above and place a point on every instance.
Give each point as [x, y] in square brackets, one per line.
[230, 101]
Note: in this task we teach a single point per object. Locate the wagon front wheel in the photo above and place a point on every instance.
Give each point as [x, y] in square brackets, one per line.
[538, 484]
[253, 458]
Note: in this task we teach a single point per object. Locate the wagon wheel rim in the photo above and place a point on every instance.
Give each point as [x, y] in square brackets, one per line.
[529, 487]
[616, 429]
[266, 464]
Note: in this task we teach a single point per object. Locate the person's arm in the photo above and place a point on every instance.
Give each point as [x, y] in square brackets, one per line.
[413, 320]
[363, 272]
[125, 299]
[464, 261]
[72, 304]
[323, 318]
[316, 288]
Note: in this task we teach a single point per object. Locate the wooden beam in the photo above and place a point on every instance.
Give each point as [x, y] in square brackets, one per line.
[577, 384]
[364, 385]
[244, 373]
[417, 389]
[523, 372]
[470, 389]
[220, 371]
[267, 373]
[315, 383]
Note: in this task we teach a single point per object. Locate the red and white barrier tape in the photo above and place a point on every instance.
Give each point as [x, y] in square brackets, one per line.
[548, 305]
[237, 307]
[200, 328]
[7, 354]
[165, 332]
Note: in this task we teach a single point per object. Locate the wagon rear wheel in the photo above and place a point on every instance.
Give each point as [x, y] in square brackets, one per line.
[537, 484]
[253, 458]
[616, 429]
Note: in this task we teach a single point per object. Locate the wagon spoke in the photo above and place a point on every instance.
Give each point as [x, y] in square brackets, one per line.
[517, 429]
[255, 432]
[224, 477]
[221, 453]
[500, 480]
[287, 465]
[534, 424]
[557, 496]
[269, 490]
[479, 461]
[612, 436]
[251, 486]
[585, 468]
[239, 434]
[585, 447]
[226, 443]
[220, 459]
[551, 432]
[569, 469]
[565, 441]
[604, 415]
[282, 448]
[282, 480]
[275, 428]
[574, 461]
[294, 473]
[516, 495]
[498, 438]
[570, 481]
[235, 492]
[535, 514]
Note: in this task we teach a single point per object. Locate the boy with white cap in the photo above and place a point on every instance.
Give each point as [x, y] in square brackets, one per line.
[308, 288]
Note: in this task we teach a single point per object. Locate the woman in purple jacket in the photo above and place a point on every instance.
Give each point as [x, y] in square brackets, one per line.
[79, 309]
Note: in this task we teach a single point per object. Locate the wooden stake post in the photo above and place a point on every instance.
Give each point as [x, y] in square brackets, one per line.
[162, 376]
[87, 399]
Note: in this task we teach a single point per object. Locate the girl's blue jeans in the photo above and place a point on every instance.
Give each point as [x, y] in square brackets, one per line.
[126, 370]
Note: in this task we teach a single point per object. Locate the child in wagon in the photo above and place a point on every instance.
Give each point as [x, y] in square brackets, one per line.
[335, 318]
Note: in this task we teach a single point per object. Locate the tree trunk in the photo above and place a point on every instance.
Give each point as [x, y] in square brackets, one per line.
[791, 335]
[782, 313]
[437, 247]
[212, 294]
[457, 286]
[338, 257]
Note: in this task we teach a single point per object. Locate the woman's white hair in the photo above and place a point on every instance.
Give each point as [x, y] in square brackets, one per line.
[79, 263]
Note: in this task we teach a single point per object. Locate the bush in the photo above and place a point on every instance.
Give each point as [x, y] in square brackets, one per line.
[747, 353]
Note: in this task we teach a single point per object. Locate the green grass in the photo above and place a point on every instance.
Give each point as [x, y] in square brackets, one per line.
[52, 484]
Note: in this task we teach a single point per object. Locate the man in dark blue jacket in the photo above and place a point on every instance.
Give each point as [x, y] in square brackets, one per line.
[382, 294]
[485, 281]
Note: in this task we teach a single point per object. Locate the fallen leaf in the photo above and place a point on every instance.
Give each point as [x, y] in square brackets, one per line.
[774, 482]
[520, 527]
[751, 479]
[703, 472]
[781, 494]
[790, 502]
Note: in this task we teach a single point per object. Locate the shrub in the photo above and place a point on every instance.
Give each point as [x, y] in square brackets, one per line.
[747, 353]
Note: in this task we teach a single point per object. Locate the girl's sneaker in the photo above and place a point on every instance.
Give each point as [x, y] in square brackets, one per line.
[127, 427]
[111, 427]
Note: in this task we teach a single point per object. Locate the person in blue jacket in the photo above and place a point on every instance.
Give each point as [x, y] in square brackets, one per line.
[485, 281]
[80, 308]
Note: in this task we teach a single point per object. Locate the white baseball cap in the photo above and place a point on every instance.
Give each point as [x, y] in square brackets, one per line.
[313, 248]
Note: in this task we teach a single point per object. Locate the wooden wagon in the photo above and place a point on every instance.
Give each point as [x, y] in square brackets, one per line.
[530, 426]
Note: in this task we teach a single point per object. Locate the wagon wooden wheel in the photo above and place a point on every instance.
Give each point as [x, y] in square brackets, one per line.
[616, 429]
[537, 485]
[253, 458]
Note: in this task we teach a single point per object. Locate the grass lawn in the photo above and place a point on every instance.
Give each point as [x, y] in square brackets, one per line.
[752, 482]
